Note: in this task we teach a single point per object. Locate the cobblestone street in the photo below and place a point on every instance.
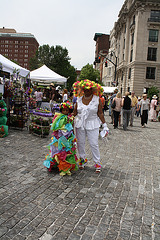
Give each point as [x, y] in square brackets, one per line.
[120, 203]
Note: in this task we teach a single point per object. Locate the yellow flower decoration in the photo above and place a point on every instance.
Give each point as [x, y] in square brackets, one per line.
[80, 86]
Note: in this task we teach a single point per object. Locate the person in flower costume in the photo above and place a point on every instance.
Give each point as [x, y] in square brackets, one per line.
[88, 118]
[62, 149]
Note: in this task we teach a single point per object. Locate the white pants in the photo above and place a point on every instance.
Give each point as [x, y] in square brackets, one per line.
[92, 136]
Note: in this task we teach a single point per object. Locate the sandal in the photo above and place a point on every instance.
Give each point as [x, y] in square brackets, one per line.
[82, 162]
[98, 168]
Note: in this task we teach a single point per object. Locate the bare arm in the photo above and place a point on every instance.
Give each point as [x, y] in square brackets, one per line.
[122, 102]
[75, 110]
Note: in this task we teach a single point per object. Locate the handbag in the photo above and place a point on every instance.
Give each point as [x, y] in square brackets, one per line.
[113, 105]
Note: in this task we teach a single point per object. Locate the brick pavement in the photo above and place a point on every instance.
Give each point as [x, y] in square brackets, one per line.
[121, 203]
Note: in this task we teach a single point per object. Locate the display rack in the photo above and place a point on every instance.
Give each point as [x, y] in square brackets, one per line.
[18, 114]
[40, 123]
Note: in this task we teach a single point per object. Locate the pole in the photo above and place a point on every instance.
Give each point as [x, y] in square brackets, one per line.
[115, 73]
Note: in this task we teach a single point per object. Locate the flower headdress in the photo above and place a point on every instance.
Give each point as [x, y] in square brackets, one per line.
[80, 86]
[66, 105]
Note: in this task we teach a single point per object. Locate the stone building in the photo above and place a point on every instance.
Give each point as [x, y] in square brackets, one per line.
[135, 48]
[19, 47]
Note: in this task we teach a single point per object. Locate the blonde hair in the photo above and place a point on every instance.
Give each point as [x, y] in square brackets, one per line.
[126, 94]
[119, 95]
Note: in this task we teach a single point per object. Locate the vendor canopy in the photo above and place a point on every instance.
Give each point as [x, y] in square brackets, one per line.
[11, 67]
[46, 75]
[109, 89]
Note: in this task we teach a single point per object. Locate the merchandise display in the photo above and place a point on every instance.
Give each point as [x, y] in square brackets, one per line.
[3, 119]
[40, 122]
[18, 114]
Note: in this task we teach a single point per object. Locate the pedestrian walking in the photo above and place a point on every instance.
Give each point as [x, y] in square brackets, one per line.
[88, 118]
[138, 111]
[126, 104]
[110, 103]
[134, 101]
[144, 104]
[103, 102]
[117, 109]
[152, 115]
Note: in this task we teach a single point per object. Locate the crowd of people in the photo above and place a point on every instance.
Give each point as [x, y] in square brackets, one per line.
[130, 106]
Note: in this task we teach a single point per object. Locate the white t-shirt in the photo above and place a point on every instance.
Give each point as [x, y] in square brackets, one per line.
[144, 105]
[65, 97]
[39, 96]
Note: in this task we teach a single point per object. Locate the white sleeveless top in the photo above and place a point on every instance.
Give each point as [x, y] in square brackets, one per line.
[87, 117]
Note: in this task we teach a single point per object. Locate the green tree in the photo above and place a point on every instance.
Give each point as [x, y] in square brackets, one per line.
[152, 91]
[57, 59]
[88, 72]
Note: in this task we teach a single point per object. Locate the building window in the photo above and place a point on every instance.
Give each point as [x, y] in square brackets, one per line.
[16, 46]
[16, 50]
[26, 51]
[131, 56]
[132, 39]
[152, 54]
[129, 73]
[153, 35]
[26, 56]
[26, 46]
[16, 42]
[26, 42]
[6, 46]
[6, 50]
[6, 41]
[155, 15]
[124, 44]
[150, 73]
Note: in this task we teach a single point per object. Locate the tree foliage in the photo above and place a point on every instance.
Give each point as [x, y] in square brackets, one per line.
[57, 59]
[88, 72]
[152, 91]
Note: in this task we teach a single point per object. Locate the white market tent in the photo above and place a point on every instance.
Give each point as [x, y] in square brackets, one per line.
[46, 75]
[11, 67]
[109, 89]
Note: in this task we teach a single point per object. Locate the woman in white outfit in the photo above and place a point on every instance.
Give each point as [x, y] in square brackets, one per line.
[65, 95]
[88, 118]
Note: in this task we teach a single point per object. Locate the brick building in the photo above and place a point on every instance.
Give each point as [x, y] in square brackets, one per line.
[102, 47]
[19, 47]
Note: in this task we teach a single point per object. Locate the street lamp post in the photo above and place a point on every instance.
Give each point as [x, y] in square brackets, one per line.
[114, 63]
